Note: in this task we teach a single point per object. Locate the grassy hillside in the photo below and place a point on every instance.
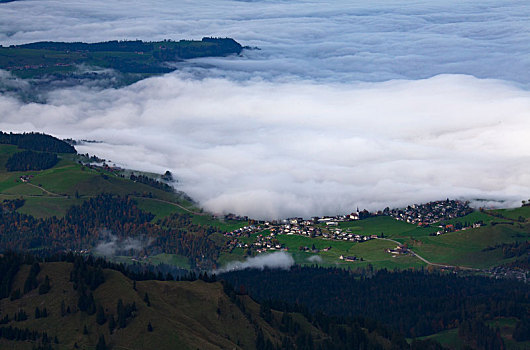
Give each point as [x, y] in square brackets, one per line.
[182, 315]
[53, 191]
[465, 248]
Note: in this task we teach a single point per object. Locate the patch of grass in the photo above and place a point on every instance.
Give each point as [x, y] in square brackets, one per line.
[465, 248]
[387, 225]
[170, 259]
[238, 254]
[224, 225]
[473, 217]
[24, 189]
[514, 213]
[45, 207]
[159, 209]
[373, 252]
[448, 338]
[68, 183]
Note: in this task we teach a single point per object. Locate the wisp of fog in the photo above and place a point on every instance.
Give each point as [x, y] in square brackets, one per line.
[277, 260]
[366, 104]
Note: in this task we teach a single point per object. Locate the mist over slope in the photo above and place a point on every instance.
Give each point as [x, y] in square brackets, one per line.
[371, 104]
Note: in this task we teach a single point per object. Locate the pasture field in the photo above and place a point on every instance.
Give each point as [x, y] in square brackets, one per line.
[53, 191]
[376, 225]
[225, 225]
[372, 252]
[162, 209]
[514, 213]
[467, 248]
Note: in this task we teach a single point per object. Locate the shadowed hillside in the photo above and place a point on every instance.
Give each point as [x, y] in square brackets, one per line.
[63, 305]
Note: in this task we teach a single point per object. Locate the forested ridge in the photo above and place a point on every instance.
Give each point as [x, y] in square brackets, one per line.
[29, 160]
[36, 142]
[46, 58]
[85, 225]
[164, 50]
[415, 303]
[113, 316]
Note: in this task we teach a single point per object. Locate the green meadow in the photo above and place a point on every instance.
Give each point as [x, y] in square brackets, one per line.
[53, 191]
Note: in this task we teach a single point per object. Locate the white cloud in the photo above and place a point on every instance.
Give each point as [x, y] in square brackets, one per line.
[110, 244]
[315, 122]
[315, 259]
[269, 149]
[326, 40]
[277, 260]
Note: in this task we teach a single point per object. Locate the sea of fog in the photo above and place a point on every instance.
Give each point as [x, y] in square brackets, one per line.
[346, 104]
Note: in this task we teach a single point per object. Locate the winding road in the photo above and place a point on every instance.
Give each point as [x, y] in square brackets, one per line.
[427, 261]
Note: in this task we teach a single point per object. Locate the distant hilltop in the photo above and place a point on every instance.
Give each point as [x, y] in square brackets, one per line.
[163, 50]
[38, 59]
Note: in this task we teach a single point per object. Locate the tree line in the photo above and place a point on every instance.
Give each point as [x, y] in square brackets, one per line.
[87, 224]
[36, 142]
[30, 160]
[151, 182]
[415, 303]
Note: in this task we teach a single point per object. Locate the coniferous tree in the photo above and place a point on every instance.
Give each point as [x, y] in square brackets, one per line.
[15, 294]
[31, 281]
[112, 324]
[45, 286]
[522, 330]
[146, 299]
[101, 345]
[122, 317]
[100, 315]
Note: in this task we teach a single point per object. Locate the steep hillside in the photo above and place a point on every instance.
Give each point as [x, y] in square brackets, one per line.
[154, 315]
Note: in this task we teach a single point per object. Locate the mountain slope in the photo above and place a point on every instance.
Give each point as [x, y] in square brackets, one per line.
[155, 314]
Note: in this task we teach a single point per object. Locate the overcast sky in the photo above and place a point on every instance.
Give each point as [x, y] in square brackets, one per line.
[371, 104]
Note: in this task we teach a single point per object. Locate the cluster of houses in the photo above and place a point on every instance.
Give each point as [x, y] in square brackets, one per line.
[350, 258]
[399, 250]
[432, 212]
[504, 272]
[443, 229]
[326, 227]
[322, 227]
[26, 178]
[329, 227]
[267, 242]
[244, 231]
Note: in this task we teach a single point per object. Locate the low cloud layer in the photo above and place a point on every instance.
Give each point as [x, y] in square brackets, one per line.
[278, 260]
[326, 40]
[269, 149]
[347, 104]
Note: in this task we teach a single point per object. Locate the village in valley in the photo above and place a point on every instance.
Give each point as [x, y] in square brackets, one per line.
[335, 228]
